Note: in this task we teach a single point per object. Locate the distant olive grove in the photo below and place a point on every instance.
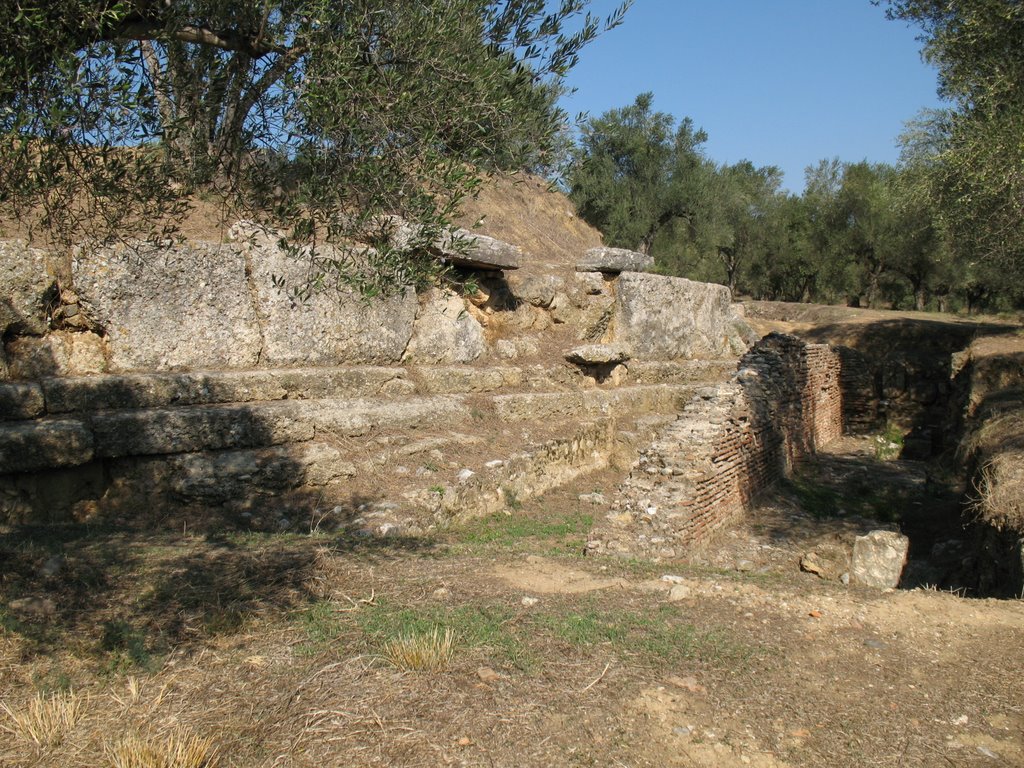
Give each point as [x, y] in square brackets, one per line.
[943, 229]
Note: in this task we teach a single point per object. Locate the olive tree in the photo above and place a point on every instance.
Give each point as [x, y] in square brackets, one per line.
[314, 115]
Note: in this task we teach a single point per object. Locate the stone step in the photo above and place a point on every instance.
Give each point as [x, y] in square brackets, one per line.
[52, 442]
[399, 480]
[80, 394]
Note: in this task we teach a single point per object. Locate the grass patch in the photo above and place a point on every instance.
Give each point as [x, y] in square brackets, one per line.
[178, 749]
[490, 629]
[888, 444]
[505, 531]
[124, 648]
[861, 497]
[813, 496]
[655, 638]
[323, 626]
[426, 652]
[44, 720]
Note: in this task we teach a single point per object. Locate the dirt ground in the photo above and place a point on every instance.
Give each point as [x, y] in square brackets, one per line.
[278, 650]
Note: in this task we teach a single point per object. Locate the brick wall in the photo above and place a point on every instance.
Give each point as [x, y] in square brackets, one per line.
[731, 442]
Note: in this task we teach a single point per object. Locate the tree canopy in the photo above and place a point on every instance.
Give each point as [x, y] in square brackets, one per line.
[635, 172]
[315, 114]
[971, 156]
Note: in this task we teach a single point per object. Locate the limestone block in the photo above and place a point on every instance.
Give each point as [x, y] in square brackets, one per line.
[21, 401]
[538, 290]
[480, 251]
[445, 331]
[614, 260]
[26, 287]
[671, 318]
[330, 327]
[33, 357]
[878, 559]
[169, 307]
[597, 354]
[462, 247]
[44, 444]
[226, 476]
[189, 429]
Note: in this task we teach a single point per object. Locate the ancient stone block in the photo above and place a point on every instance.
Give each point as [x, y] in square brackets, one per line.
[26, 288]
[614, 260]
[670, 318]
[20, 401]
[44, 444]
[174, 307]
[878, 559]
[597, 354]
[444, 331]
[328, 328]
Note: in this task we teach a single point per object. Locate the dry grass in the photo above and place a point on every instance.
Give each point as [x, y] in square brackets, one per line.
[45, 720]
[178, 749]
[422, 652]
[999, 490]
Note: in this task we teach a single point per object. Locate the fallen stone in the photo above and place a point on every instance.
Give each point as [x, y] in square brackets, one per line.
[614, 260]
[479, 251]
[679, 592]
[538, 290]
[36, 607]
[488, 675]
[879, 558]
[597, 354]
[828, 561]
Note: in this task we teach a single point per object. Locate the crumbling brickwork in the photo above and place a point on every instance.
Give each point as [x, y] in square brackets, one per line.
[731, 442]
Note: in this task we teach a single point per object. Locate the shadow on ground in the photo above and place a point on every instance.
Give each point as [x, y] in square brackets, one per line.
[125, 598]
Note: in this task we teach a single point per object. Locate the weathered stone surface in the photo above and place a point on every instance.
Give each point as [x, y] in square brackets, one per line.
[189, 429]
[462, 247]
[538, 290]
[58, 353]
[878, 559]
[446, 380]
[153, 390]
[827, 561]
[26, 288]
[230, 475]
[444, 331]
[671, 318]
[352, 418]
[173, 307]
[481, 252]
[43, 444]
[597, 354]
[329, 328]
[614, 260]
[21, 401]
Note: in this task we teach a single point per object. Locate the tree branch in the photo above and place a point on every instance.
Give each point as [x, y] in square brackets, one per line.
[141, 29]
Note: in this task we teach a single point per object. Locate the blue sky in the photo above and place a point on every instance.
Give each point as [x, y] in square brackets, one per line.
[776, 82]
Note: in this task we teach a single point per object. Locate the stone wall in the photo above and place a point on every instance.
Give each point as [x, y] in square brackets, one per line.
[731, 442]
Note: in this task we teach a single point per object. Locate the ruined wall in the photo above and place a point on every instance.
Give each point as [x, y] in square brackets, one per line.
[731, 442]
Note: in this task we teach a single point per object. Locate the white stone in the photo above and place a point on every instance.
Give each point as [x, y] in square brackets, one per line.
[878, 559]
